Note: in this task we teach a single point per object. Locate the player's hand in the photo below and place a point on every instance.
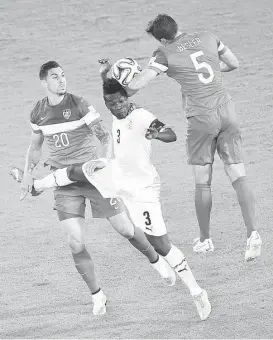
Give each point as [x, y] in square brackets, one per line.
[26, 185]
[151, 133]
[94, 165]
[105, 66]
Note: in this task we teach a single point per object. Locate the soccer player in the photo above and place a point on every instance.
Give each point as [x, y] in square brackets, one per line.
[136, 179]
[196, 61]
[69, 125]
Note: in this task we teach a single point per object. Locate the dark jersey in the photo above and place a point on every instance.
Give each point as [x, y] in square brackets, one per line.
[193, 61]
[66, 129]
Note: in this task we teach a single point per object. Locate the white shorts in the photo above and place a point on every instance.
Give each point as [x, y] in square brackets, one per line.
[147, 216]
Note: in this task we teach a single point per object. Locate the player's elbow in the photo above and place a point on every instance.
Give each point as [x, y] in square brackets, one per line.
[171, 136]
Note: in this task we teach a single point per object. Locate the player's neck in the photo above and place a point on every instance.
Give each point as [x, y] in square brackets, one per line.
[54, 99]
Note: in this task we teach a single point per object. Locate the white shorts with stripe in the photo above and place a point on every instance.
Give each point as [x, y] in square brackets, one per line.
[143, 204]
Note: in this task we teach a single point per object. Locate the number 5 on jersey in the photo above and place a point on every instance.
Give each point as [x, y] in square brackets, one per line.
[198, 65]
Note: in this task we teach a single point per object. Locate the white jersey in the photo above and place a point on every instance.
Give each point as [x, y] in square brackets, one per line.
[132, 150]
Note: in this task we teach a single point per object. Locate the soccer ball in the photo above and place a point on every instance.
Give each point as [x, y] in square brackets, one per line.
[124, 70]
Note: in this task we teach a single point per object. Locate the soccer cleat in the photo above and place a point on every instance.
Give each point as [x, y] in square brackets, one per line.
[99, 303]
[165, 270]
[203, 247]
[202, 304]
[18, 175]
[253, 246]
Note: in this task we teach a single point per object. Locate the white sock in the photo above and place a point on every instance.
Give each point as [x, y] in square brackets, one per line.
[57, 178]
[177, 261]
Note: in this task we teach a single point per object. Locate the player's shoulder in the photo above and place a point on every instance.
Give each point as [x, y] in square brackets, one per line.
[140, 113]
[76, 99]
[38, 109]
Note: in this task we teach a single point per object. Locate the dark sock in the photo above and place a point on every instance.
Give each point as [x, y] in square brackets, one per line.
[75, 173]
[247, 203]
[85, 267]
[203, 204]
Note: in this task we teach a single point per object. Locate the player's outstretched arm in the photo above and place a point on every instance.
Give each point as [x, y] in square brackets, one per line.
[32, 159]
[229, 62]
[140, 80]
[158, 130]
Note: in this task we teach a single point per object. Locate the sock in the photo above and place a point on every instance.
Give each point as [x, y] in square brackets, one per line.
[203, 204]
[75, 173]
[247, 203]
[57, 178]
[85, 267]
[140, 242]
[177, 261]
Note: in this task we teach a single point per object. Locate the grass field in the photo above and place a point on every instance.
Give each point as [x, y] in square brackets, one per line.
[41, 293]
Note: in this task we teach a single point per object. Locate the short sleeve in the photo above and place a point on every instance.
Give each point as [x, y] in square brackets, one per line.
[88, 113]
[144, 118]
[158, 62]
[33, 119]
[220, 45]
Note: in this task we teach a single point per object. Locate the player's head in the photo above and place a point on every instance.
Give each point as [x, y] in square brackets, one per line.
[52, 78]
[116, 98]
[163, 28]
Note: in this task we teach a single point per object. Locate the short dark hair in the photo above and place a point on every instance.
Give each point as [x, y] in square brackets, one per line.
[112, 86]
[46, 67]
[162, 27]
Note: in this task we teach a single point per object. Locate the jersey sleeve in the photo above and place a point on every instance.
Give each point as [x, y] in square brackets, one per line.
[88, 113]
[221, 46]
[33, 119]
[144, 118]
[158, 62]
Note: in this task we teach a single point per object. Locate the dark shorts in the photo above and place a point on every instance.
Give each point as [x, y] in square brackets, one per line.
[72, 200]
[217, 131]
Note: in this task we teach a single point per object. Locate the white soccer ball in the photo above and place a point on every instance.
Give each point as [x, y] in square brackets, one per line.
[124, 70]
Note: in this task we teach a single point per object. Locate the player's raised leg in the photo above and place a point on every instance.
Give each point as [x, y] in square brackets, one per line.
[74, 229]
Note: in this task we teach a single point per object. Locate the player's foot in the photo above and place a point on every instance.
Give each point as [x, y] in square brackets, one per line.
[202, 304]
[165, 270]
[253, 246]
[99, 303]
[18, 175]
[203, 247]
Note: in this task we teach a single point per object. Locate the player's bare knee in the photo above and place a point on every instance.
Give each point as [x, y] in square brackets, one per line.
[235, 171]
[122, 224]
[76, 246]
[202, 174]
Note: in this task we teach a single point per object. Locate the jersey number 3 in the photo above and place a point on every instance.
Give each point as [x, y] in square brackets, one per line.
[118, 135]
[61, 140]
[199, 65]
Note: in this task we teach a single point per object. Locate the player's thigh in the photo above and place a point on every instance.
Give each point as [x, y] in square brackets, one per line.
[201, 138]
[229, 142]
[103, 207]
[147, 216]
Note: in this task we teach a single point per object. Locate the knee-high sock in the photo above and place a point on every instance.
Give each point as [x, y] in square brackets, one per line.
[177, 261]
[203, 204]
[247, 203]
[85, 267]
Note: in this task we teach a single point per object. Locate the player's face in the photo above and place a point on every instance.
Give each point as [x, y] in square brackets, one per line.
[117, 104]
[55, 81]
